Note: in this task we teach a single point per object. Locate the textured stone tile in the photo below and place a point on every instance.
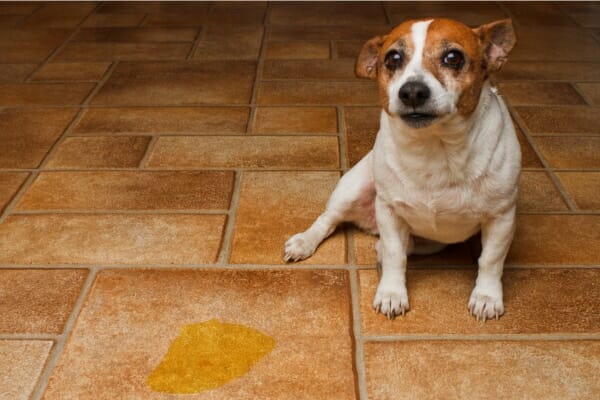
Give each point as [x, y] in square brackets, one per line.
[237, 42]
[538, 193]
[99, 152]
[275, 205]
[470, 13]
[568, 44]
[298, 50]
[109, 51]
[571, 119]
[164, 121]
[530, 13]
[136, 35]
[355, 32]
[545, 93]
[18, 45]
[362, 125]
[438, 303]
[296, 120]
[15, 73]
[556, 240]
[113, 20]
[309, 69]
[137, 314]
[591, 91]
[110, 239]
[570, 151]
[21, 364]
[38, 300]
[59, 15]
[71, 72]
[10, 182]
[27, 135]
[127, 190]
[330, 13]
[583, 188]
[245, 152]
[43, 94]
[171, 83]
[548, 70]
[483, 370]
[311, 92]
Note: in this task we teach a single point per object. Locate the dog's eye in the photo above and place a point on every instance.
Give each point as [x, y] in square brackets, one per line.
[453, 59]
[393, 60]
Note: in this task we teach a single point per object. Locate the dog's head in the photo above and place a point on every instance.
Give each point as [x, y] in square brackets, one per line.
[431, 69]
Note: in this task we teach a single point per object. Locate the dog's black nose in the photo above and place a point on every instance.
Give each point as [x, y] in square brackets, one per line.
[414, 94]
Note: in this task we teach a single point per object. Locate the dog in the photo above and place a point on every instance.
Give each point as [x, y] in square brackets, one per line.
[445, 163]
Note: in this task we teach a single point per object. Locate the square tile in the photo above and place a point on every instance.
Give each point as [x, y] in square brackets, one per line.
[19, 45]
[27, 134]
[99, 152]
[269, 152]
[137, 314]
[109, 51]
[295, 120]
[583, 188]
[110, 239]
[313, 92]
[537, 193]
[266, 197]
[567, 120]
[298, 50]
[15, 73]
[591, 91]
[128, 190]
[113, 20]
[542, 93]
[44, 94]
[10, 183]
[362, 125]
[21, 364]
[548, 70]
[327, 13]
[309, 69]
[568, 44]
[237, 42]
[38, 300]
[71, 72]
[570, 151]
[470, 13]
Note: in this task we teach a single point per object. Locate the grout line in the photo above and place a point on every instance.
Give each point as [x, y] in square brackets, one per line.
[575, 87]
[227, 239]
[149, 149]
[200, 35]
[388, 16]
[17, 197]
[121, 212]
[359, 362]
[259, 70]
[333, 53]
[29, 336]
[343, 144]
[143, 21]
[482, 337]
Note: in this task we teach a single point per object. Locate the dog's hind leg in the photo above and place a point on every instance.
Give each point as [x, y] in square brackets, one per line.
[353, 200]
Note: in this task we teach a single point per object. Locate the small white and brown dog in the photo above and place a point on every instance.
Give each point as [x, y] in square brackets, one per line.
[446, 160]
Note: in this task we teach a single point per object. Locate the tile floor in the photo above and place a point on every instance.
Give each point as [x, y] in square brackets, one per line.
[154, 157]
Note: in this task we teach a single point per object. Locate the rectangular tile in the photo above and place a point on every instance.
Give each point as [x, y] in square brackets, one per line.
[137, 314]
[543, 93]
[568, 44]
[294, 200]
[11, 21]
[10, 183]
[571, 119]
[322, 13]
[38, 300]
[18, 45]
[71, 71]
[126, 190]
[59, 15]
[15, 73]
[237, 42]
[327, 32]
[136, 35]
[529, 158]
[470, 13]
[113, 20]
[311, 92]
[362, 125]
[295, 120]
[110, 239]
[531, 13]
[21, 364]
[438, 303]
[591, 91]
[17, 8]
[583, 188]
[490, 369]
[309, 69]
[140, 7]
[537, 193]
[298, 49]
[109, 51]
[43, 94]
[548, 70]
[570, 151]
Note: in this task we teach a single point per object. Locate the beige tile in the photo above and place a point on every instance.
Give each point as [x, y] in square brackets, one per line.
[164, 121]
[136, 35]
[137, 314]
[537, 193]
[438, 303]
[327, 13]
[309, 69]
[298, 50]
[483, 370]
[295, 120]
[470, 13]
[100, 51]
[556, 240]
[237, 42]
[110, 239]
[362, 124]
[99, 152]
[292, 199]
[59, 15]
[543, 93]
[71, 72]
[548, 70]
[44, 94]
[125, 190]
[355, 32]
[171, 83]
[18, 45]
[27, 135]
[245, 152]
[591, 91]
[583, 188]
[15, 73]
[21, 364]
[38, 300]
[312, 92]
[10, 182]
[572, 119]
[568, 44]
[570, 151]
[113, 20]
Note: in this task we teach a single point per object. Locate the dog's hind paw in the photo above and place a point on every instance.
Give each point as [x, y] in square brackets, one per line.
[298, 248]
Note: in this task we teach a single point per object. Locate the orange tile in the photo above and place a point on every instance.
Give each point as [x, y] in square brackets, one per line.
[245, 152]
[583, 188]
[298, 50]
[59, 15]
[43, 94]
[309, 69]
[571, 119]
[99, 51]
[38, 300]
[237, 42]
[195, 19]
[530, 13]
[538, 193]
[18, 45]
[21, 364]
[438, 303]
[348, 48]
[99, 152]
[591, 91]
[470, 13]
[295, 120]
[110, 239]
[27, 135]
[164, 121]
[71, 72]
[137, 314]
[546, 93]
[568, 44]
[10, 183]
[125, 190]
[355, 32]
[548, 70]
[141, 7]
[136, 35]
[15, 73]
[322, 13]
[311, 92]
[294, 200]
[570, 151]
[113, 20]
[362, 125]
[482, 370]
[237, 13]
[529, 158]
[172, 83]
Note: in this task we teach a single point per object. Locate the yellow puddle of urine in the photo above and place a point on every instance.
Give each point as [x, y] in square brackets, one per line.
[207, 355]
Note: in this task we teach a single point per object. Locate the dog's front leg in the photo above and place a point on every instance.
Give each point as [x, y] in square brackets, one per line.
[496, 237]
[391, 298]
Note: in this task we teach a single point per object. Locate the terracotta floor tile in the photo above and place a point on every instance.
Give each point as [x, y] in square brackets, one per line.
[171, 83]
[356, 32]
[237, 13]
[538, 193]
[164, 121]
[591, 91]
[10, 182]
[556, 240]
[38, 300]
[583, 188]
[589, 20]
[570, 151]
[482, 370]
[309, 69]
[18, 45]
[362, 125]
[136, 35]
[99, 152]
[126, 190]
[11, 21]
[43, 94]
[21, 364]
[570, 119]
[15, 73]
[266, 197]
[348, 48]
[137, 314]
[546, 93]
[71, 72]
[530, 13]
[528, 157]
[298, 50]
[311, 92]
[113, 20]
[470, 13]
[571, 71]
[167, 7]
[27, 135]
[230, 42]
[320, 13]
[17, 8]
[83, 51]
[295, 120]
[191, 20]
[568, 44]
[438, 303]
[245, 152]
[110, 239]
[59, 15]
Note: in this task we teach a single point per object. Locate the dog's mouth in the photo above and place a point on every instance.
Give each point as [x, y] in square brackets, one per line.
[418, 120]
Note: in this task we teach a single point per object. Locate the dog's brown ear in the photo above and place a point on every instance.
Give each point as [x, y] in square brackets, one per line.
[498, 39]
[366, 63]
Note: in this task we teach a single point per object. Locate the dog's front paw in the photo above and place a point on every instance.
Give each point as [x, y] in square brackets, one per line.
[297, 248]
[391, 299]
[486, 303]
